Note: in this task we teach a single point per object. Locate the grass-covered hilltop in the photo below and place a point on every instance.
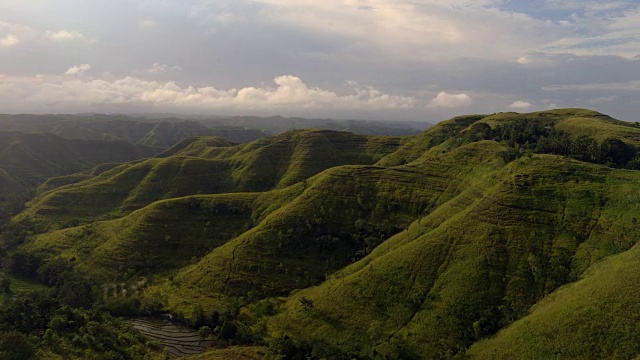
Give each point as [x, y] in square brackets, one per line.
[496, 236]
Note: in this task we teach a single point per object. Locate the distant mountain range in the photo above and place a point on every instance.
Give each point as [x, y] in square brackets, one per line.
[164, 130]
[30, 157]
[159, 134]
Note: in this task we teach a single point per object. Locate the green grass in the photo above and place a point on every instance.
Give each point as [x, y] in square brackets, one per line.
[21, 285]
[325, 228]
[474, 264]
[600, 129]
[163, 236]
[373, 247]
[596, 317]
[24, 285]
[204, 166]
[32, 158]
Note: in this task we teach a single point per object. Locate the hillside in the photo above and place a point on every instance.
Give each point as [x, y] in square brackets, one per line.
[596, 317]
[487, 236]
[473, 265]
[159, 134]
[206, 165]
[279, 124]
[165, 130]
[32, 158]
[27, 160]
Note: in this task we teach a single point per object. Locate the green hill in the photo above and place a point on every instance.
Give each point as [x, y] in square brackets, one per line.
[490, 236]
[206, 165]
[156, 133]
[473, 265]
[27, 160]
[596, 317]
[32, 158]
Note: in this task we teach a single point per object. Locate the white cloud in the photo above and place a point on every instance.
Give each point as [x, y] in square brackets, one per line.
[290, 92]
[147, 23]
[13, 34]
[158, 68]
[66, 35]
[446, 100]
[9, 40]
[520, 104]
[415, 30]
[605, 29]
[78, 70]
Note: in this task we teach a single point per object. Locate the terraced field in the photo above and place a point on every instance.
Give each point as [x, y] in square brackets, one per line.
[178, 340]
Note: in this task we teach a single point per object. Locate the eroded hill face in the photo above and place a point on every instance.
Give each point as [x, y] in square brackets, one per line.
[332, 245]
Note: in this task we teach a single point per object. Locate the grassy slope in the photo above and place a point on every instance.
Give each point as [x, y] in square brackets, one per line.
[163, 236]
[160, 133]
[483, 241]
[596, 317]
[474, 264]
[320, 231]
[60, 181]
[9, 186]
[419, 144]
[32, 158]
[576, 122]
[207, 166]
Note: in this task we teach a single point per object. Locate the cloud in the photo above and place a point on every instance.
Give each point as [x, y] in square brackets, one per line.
[603, 29]
[78, 70]
[65, 35]
[13, 34]
[412, 30]
[446, 100]
[494, 51]
[9, 40]
[633, 85]
[603, 99]
[158, 68]
[520, 105]
[147, 23]
[289, 92]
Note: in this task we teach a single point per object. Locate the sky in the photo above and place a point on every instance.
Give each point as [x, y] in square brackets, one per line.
[423, 60]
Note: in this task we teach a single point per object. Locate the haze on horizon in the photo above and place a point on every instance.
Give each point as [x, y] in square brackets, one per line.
[375, 59]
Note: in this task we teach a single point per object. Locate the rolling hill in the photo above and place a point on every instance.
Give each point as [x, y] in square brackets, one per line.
[205, 165]
[27, 160]
[33, 158]
[156, 133]
[487, 236]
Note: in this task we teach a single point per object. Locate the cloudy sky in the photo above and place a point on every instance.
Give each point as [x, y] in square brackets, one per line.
[373, 59]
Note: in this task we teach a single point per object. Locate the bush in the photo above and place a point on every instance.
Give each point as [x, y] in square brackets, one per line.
[204, 332]
[15, 346]
[5, 284]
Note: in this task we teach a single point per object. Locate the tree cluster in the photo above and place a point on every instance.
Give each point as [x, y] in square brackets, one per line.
[530, 136]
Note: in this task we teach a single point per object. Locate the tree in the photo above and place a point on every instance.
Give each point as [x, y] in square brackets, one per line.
[15, 346]
[5, 284]
[617, 151]
[204, 332]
